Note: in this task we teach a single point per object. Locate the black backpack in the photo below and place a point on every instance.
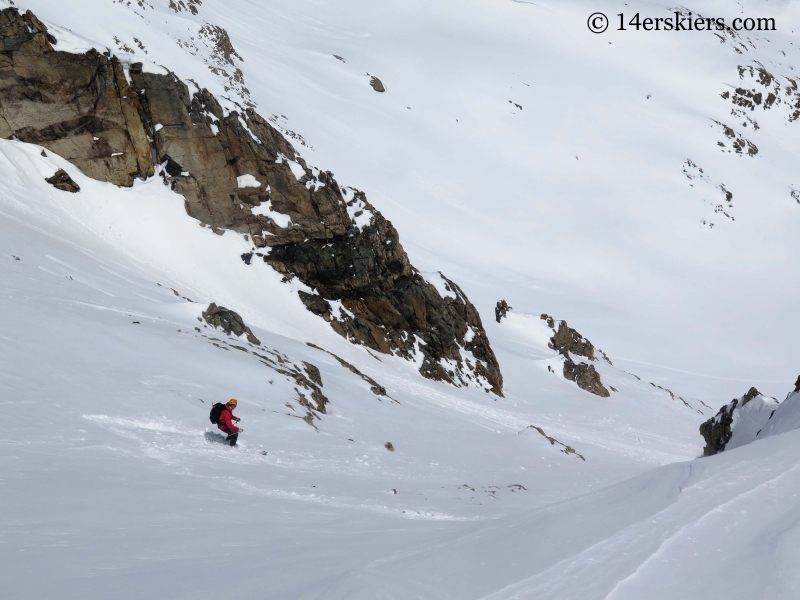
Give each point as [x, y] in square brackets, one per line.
[216, 411]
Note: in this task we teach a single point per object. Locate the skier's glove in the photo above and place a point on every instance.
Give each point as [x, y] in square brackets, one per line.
[240, 430]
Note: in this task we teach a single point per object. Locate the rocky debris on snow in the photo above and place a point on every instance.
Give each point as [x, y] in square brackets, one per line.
[62, 181]
[190, 5]
[766, 91]
[309, 381]
[586, 376]
[229, 321]
[739, 144]
[376, 84]
[743, 417]
[554, 442]
[375, 387]
[674, 396]
[696, 174]
[389, 446]
[501, 310]
[333, 240]
[313, 373]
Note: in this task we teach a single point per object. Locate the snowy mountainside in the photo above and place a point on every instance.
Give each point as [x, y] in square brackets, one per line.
[519, 156]
[111, 383]
[447, 136]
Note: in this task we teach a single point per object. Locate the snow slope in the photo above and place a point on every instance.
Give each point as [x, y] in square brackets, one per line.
[720, 527]
[580, 204]
[110, 480]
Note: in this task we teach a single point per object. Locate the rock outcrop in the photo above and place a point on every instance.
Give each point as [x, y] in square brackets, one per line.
[586, 376]
[568, 342]
[238, 173]
[567, 339]
[229, 321]
[738, 422]
[80, 106]
[376, 84]
[62, 181]
[501, 310]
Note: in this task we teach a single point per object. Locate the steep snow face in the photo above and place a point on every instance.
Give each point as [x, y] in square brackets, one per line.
[738, 423]
[786, 417]
[749, 420]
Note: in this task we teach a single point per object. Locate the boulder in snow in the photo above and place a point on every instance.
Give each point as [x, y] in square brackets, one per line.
[62, 181]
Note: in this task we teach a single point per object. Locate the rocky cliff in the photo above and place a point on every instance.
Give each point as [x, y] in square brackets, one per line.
[737, 423]
[238, 173]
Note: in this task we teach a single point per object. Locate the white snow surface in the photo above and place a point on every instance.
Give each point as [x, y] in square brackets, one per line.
[786, 417]
[580, 204]
[749, 420]
[247, 180]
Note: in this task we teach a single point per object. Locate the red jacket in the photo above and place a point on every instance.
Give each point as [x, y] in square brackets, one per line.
[226, 419]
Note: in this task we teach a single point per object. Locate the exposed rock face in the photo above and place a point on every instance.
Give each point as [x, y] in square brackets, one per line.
[62, 181]
[81, 107]
[718, 430]
[567, 339]
[585, 376]
[501, 310]
[230, 322]
[568, 342]
[77, 105]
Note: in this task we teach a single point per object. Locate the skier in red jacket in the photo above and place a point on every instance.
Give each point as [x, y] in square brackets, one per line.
[226, 419]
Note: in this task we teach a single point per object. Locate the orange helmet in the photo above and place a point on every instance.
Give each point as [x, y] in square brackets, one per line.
[232, 402]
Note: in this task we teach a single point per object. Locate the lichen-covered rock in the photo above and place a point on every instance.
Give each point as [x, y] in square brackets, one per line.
[737, 423]
[62, 181]
[81, 107]
[229, 321]
[586, 376]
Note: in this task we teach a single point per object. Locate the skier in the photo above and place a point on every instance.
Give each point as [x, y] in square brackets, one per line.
[226, 419]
